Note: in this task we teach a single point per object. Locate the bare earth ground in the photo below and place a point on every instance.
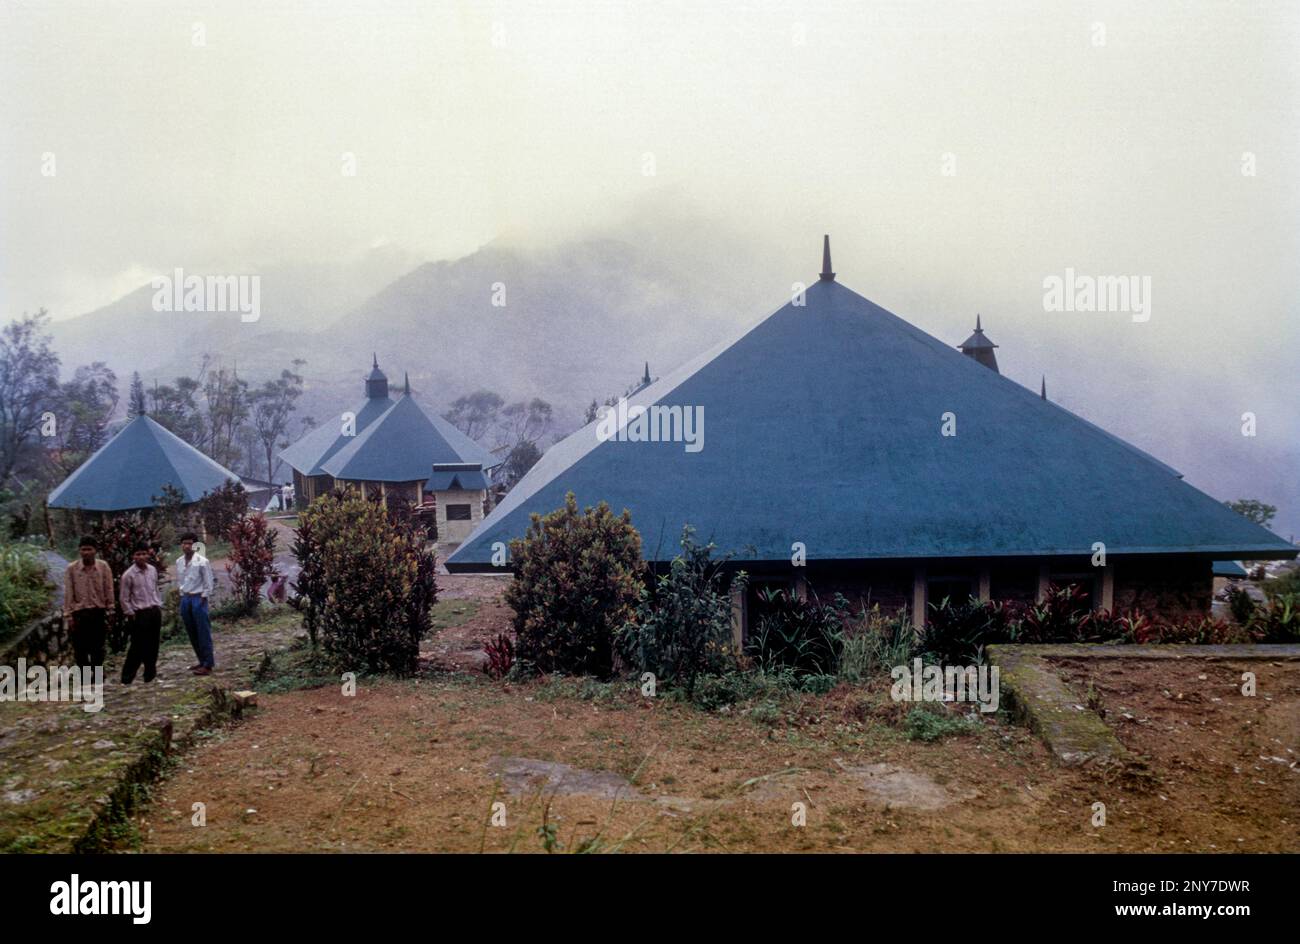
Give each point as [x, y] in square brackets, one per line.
[58, 761]
[1230, 764]
[417, 766]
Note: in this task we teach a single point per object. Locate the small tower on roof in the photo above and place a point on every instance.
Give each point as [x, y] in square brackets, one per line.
[980, 348]
[377, 382]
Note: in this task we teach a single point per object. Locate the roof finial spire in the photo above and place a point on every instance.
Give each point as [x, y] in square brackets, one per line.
[406, 377]
[374, 360]
[646, 378]
[1042, 392]
[827, 275]
[977, 322]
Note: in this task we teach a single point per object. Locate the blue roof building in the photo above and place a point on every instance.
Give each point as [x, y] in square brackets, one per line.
[396, 449]
[130, 471]
[838, 447]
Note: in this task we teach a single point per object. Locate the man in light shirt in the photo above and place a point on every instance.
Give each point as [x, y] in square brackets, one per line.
[195, 580]
[142, 607]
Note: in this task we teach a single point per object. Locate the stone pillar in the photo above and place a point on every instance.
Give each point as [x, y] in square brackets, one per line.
[918, 597]
[1044, 580]
[738, 618]
[1107, 601]
[986, 585]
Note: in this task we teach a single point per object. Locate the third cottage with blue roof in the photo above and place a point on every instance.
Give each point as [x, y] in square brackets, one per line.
[825, 445]
[396, 449]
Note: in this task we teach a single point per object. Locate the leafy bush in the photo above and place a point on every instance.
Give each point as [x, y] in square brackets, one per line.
[874, 643]
[374, 583]
[252, 559]
[1062, 616]
[500, 657]
[1279, 621]
[805, 636]
[578, 577]
[956, 633]
[682, 626]
[1240, 604]
[25, 591]
[222, 507]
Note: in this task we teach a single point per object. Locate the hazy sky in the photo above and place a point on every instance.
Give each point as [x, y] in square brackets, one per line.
[534, 120]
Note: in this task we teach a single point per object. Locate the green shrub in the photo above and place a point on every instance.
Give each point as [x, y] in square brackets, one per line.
[717, 691]
[1240, 604]
[578, 577]
[927, 723]
[682, 626]
[25, 591]
[375, 584]
[956, 633]
[221, 508]
[874, 643]
[1279, 621]
[804, 636]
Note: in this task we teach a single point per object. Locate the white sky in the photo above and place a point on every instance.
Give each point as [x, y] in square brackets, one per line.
[783, 119]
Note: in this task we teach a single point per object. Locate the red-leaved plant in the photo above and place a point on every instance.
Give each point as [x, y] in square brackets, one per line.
[500, 656]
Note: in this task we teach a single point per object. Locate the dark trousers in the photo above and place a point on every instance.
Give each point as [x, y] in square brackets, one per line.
[88, 636]
[194, 614]
[146, 629]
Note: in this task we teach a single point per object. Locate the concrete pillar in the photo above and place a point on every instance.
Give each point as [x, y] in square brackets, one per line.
[1044, 580]
[738, 617]
[801, 587]
[986, 585]
[1107, 601]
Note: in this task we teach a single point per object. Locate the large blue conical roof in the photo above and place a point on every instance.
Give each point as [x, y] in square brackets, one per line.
[823, 426]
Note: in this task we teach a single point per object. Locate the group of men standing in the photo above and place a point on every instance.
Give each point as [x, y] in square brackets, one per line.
[88, 598]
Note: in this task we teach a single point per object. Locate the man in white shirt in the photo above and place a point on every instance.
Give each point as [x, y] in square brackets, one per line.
[195, 580]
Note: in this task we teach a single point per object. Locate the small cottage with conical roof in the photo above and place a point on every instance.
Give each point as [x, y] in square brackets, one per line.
[836, 447]
[396, 450]
[131, 470]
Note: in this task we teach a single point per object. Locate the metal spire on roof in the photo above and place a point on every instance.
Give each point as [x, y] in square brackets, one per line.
[1043, 390]
[406, 376]
[977, 323]
[374, 361]
[826, 275]
[646, 379]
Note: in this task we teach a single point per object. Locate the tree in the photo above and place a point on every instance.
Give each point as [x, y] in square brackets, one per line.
[176, 408]
[29, 376]
[1253, 509]
[135, 401]
[226, 397]
[475, 413]
[272, 406]
[524, 422]
[522, 458]
[85, 406]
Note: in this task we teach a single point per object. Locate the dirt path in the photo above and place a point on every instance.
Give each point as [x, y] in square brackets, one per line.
[58, 762]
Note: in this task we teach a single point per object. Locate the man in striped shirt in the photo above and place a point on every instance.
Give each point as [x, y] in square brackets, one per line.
[142, 606]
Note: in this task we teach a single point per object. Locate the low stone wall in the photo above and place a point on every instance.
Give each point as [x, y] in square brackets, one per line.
[45, 641]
